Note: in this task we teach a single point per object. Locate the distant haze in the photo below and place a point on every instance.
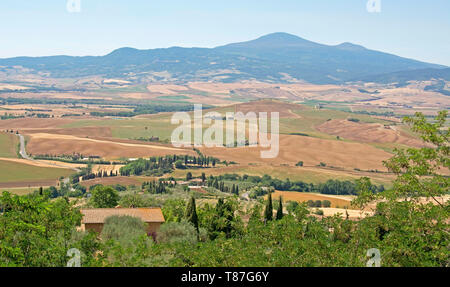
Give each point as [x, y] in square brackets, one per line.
[277, 57]
[414, 29]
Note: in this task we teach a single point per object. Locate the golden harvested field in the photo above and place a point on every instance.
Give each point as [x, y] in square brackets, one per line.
[24, 123]
[42, 163]
[311, 151]
[365, 132]
[44, 143]
[304, 196]
[352, 213]
[77, 132]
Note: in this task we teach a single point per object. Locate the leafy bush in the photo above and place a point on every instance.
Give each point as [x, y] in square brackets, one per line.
[326, 203]
[123, 228]
[178, 232]
[104, 197]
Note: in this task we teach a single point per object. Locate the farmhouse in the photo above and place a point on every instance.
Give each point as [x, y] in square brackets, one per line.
[93, 219]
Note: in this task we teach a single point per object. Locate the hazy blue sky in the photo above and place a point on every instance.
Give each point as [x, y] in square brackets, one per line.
[411, 28]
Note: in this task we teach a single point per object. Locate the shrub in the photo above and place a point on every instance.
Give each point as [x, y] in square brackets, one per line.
[326, 203]
[179, 232]
[132, 201]
[291, 206]
[310, 203]
[124, 229]
[104, 197]
[179, 164]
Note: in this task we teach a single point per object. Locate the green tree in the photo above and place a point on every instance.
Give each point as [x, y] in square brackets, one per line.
[179, 164]
[292, 206]
[410, 218]
[36, 231]
[174, 210]
[191, 213]
[280, 210]
[132, 201]
[268, 212]
[104, 197]
[326, 203]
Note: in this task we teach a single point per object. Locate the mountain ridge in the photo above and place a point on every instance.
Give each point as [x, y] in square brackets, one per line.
[271, 58]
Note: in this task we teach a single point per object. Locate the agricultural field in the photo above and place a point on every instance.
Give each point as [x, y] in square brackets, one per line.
[324, 127]
[17, 174]
[8, 145]
[336, 201]
[331, 143]
[117, 138]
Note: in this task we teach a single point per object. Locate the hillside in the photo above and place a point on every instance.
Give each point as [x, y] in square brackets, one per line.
[277, 57]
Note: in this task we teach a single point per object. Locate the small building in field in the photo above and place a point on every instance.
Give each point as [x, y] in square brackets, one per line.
[94, 218]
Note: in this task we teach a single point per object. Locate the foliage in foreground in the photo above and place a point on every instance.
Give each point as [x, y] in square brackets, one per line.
[410, 226]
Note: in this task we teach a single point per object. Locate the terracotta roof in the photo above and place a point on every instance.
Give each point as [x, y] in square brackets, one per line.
[98, 215]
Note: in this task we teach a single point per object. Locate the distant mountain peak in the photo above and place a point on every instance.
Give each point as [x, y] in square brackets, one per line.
[274, 40]
[122, 51]
[281, 36]
[350, 46]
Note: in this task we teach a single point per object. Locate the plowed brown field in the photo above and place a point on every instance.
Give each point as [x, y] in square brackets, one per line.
[364, 132]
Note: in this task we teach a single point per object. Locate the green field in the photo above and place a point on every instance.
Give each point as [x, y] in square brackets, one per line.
[8, 144]
[17, 172]
[21, 190]
[159, 125]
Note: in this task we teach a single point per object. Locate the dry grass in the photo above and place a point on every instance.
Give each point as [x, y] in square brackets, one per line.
[343, 202]
[311, 151]
[43, 143]
[365, 132]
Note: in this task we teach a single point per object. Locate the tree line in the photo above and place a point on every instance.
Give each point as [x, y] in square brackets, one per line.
[335, 187]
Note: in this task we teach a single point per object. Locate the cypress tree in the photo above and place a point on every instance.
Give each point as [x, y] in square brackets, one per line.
[280, 210]
[268, 212]
[216, 184]
[191, 213]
